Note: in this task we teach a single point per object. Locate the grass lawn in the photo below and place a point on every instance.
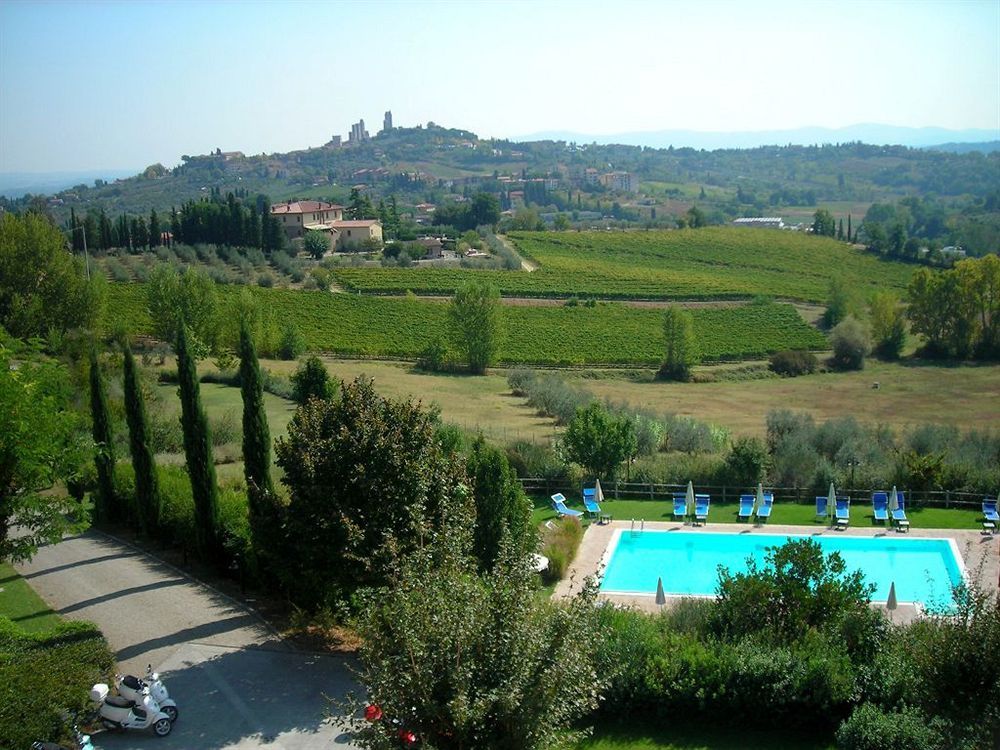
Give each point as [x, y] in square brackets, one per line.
[793, 514]
[20, 603]
[219, 399]
[640, 736]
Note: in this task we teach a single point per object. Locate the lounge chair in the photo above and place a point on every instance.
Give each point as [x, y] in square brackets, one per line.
[880, 505]
[701, 505]
[590, 501]
[764, 511]
[680, 506]
[746, 506]
[843, 512]
[821, 507]
[990, 511]
[559, 506]
[899, 515]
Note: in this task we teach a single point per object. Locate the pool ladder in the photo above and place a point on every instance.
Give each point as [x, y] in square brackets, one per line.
[642, 527]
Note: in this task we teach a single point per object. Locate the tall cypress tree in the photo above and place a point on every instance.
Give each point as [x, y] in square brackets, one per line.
[849, 238]
[104, 457]
[263, 511]
[198, 451]
[147, 490]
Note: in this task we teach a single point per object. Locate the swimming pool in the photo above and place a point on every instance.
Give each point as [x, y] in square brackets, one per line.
[923, 569]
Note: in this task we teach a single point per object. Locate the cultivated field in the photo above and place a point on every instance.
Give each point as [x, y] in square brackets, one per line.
[709, 263]
[606, 334]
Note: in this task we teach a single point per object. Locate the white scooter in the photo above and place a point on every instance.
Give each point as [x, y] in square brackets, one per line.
[116, 712]
[131, 687]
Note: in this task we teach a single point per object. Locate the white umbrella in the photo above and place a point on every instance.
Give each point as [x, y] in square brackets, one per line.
[661, 598]
[831, 500]
[893, 500]
[539, 562]
[689, 499]
[760, 495]
[890, 603]
[598, 492]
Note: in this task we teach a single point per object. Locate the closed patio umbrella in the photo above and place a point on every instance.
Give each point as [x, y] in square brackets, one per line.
[893, 500]
[598, 492]
[831, 500]
[760, 495]
[661, 598]
[891, 603]
[689, 498]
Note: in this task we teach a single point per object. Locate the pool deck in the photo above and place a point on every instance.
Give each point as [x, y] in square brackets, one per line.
[976, 548]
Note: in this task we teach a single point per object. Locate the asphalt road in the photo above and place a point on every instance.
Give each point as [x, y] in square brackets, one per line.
[236, 683]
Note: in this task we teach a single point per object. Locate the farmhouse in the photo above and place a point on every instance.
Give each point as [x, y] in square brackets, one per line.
[298, 217]
[351, 234]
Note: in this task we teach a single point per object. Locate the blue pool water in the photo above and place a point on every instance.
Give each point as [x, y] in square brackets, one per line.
[923, 569]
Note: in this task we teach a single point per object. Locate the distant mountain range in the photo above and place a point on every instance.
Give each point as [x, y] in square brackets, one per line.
[16, 184]
[866, 133]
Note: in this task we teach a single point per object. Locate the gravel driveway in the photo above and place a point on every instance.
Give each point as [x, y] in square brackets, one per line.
[237, 684]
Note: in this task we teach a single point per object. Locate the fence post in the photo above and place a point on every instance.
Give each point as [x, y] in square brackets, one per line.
[650, 490]
[724, 488]
[616, 489]
[947, 498]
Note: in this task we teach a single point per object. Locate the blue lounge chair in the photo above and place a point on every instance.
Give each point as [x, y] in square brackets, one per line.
[680, 506]
[590, 501]
[764, 511]
[701, 505]
[746, 506]
[880, 505]
[990, 511]
[559, 505]
[899, 515]
[821, 506]
[843, 512]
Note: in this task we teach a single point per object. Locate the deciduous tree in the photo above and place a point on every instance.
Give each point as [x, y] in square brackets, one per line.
[681, 345]
[599, 441]
[476, 324]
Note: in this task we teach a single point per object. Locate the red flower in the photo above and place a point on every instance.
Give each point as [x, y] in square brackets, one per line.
[408, 737]
[373, 712]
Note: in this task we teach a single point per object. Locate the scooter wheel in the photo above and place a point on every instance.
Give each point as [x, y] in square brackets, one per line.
[171, 712]
[162, 727]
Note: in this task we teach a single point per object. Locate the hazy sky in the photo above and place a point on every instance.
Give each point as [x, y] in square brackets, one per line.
[124, 84]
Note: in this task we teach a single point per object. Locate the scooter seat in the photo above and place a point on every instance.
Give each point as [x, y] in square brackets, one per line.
[132, 682]
[118, 702]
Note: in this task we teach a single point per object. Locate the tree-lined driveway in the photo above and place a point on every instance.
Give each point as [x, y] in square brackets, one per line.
[237, 684]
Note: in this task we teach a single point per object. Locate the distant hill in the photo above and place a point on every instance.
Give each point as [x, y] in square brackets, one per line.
[964, 148]
[865, 133]
[16, 184]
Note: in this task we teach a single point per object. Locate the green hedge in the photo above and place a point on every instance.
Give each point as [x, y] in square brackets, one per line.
[43, 676]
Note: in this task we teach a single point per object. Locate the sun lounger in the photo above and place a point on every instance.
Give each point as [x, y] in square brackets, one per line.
[680, 506]
[821, 507]
[559, 505]
[590, 501]
[990, 510]
[899, 515]
[746, 506]
[843, 512]
[764, 511]
[701, 505]
[880, 505]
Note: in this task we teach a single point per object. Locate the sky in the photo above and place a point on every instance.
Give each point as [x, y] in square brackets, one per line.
[120, 85]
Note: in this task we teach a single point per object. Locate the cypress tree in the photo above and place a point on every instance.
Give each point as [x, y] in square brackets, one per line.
[104, 457]
[840, 229]
[849, 239]
[147, 490]
[197, 451]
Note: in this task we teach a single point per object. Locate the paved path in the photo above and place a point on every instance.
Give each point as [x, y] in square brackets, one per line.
[237, 684]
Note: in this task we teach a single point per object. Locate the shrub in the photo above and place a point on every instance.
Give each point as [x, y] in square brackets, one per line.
[871, 728]
[521, 381]
[265, 280]
[292, 342]
[793, 362]
[225, 429]
[435, 357]
[311, 380]
[851, 344]
[559, 545]
[46, 674]
[531, 459]
[747, 461]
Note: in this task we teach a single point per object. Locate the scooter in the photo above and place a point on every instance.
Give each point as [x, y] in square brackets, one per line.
[82, 742]
[116, 712]
[131, 687]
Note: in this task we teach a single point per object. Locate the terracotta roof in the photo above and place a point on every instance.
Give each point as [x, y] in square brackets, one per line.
[303, 207]
[356, 223]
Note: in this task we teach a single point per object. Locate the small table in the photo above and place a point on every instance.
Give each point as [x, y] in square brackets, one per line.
[989, 527]
[604, 518]
[902, 525]
[842, 523]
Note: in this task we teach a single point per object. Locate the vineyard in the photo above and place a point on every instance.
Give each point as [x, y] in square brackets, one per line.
[709, 263]
[608, 333]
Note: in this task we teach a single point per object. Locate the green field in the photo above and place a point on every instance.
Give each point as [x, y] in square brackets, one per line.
[709, 263]
[608, 333]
